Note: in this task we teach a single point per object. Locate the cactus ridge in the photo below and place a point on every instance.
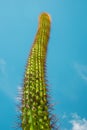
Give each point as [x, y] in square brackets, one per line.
[35, 107]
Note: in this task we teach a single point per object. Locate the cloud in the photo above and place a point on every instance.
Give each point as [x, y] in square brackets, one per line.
[2, 66]
[2, 61]
[78, 123]
[5, 86]
[20, 92]
[73, 122]
[64, 116]
[82, 70]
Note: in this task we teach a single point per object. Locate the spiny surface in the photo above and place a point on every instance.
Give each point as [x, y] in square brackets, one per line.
[35, 115]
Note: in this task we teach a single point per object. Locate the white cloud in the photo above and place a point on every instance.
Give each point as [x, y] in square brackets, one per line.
[78, 123]
[64, 116]
[82, 70]
[74, 122]
[20, 92]
[2, 66]
[5, 86]
[2, 61]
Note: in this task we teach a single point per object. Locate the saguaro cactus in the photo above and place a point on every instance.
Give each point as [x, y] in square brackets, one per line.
[35, 114]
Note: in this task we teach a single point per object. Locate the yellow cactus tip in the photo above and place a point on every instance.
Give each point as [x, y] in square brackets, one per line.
[46, 15]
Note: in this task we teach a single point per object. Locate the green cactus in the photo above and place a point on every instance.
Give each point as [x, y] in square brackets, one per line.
[35, 107]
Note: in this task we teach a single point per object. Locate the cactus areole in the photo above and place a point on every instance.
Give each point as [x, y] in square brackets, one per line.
[35, 113]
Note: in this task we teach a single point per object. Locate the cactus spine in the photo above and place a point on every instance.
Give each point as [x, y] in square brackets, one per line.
[35, 107]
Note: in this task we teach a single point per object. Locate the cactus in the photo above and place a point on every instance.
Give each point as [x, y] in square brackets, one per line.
[35, 107]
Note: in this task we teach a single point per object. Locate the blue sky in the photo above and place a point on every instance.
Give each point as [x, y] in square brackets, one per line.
[66, 58]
